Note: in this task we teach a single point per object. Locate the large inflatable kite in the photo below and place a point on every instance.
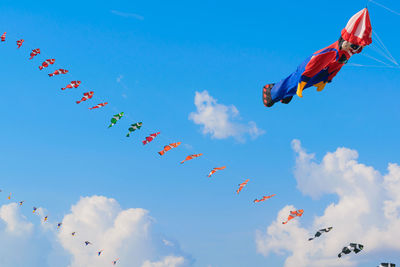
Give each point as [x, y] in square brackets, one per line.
[320, 68]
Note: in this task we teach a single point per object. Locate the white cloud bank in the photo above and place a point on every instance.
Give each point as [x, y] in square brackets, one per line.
[124, 234]
[367, 212]
[218, 119]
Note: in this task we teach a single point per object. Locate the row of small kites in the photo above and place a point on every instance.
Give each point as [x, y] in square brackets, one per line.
[73, 234]
[352, 247]
[133, 127]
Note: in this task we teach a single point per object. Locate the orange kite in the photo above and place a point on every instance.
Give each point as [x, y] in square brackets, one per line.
[263, 198]
[294, 214]
[242, 185]
[169, 147]
[191, 157]
[216, 169]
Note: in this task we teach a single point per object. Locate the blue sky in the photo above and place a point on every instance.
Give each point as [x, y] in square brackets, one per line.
[148, 59]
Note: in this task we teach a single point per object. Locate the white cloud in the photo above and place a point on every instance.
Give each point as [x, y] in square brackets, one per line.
[16, 223]
[127, 15]
[169, 261]
[124, 234]
[218, 119]
[367, 211]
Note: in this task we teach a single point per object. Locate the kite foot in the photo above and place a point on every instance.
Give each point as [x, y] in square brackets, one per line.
[267, 99]
[286, 100]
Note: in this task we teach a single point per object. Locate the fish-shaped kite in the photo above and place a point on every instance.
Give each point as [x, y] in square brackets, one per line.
[99, 105]
[263, 198]
[294, 214]
[115, 118]
[86, 96]
[169, 147]
[242, 185]
[58, 72]
[216, 169]
[35, 52]
[150, 138]
[19, 43]
[191, 157]
[134, 127]
[46, 63]
[73, 84]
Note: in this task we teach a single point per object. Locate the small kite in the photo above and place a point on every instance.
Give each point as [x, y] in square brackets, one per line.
[73, 233]
[191, 157]
[352, 247]
[3, 37]
[99, 105]
[317, 234]
[46, 63]
[19, 43]
[86, 96]
[386, 264]
[216, 169]
[45, 219]
[242, 185]
[294, 214]
[59, 225]
[73, 84]
[99, 252]
[34, 209]
[150, 138]
[115, 261]
[34, 53]
[134, 127]
[21, 202]
[58, 72]
[115, 118]
[9, 196]
[88, 243]
[263, 198]
[168, 147]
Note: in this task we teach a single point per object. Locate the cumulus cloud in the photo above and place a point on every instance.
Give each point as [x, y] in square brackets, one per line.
[124, 234]
[219, 120]
[16, 223]
[121, 233]
[169, 261]
[367, 211]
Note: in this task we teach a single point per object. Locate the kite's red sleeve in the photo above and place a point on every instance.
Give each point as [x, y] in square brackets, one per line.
[318, 62]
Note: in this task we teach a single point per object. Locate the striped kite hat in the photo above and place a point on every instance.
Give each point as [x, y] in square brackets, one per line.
[358, 30]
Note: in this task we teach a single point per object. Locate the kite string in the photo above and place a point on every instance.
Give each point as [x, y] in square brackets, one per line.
[385, 7]
[377, 60]
[372, 66]
[382, 53]
[383, 45]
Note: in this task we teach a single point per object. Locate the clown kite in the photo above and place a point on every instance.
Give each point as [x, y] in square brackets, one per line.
[320, 68]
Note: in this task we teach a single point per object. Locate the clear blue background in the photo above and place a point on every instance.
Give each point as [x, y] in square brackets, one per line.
[54, 151]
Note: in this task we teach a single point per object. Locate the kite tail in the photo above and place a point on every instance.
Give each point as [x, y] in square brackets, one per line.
[40, 67]
[128, 134]
[78, 102]
[310, 238]
[161, 152]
